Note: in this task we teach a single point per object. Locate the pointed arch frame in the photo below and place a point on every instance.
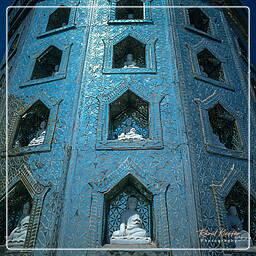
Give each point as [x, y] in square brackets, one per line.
[37, 192]
[221, 191]
[61, 74]
[204, 44]
[53, 106]
[101, 186]
[210, 146]
[146, 9]
[212, 35]
[155, 140]
[71, 22]
[149, 54]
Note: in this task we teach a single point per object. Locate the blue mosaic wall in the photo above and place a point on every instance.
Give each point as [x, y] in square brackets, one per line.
[175, 165]
[211, 165]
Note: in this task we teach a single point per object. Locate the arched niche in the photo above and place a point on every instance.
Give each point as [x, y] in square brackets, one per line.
[132, 46]
[59, 18]
[47, 64]
[126, 112]
[224, 126]
[32, 124]
[115, 203]
[34, 120]
[238, 197]
[141, 51]
[130, 11]
[221, 127]
[106, 191]
[135, 13]
[233, 191]
[210, 66]
[56, 20]
[143, 108]
[199, 19]
[17, 198]
[25, 196]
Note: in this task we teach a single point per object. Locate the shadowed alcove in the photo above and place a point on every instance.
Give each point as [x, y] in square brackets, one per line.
[238, 197]
[224, 126]
[47, 63]
[129, 45]
[18, 197]
[59, 18]
[210, 65]
[131, 12]
[199, 20]
[115, 203]
[31, 123]
[126, 112]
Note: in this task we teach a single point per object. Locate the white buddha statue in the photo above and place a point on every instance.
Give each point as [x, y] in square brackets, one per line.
[56, 70]
[130, 16]
[131, 135]
[39, 136]
[130, 63]
[17, 144]
[130, 231]
[235, 224]
[18, 235]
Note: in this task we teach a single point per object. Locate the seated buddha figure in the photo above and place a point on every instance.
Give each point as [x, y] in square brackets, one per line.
[130, 231]
[131, 135]
[130, 63]
[18, 235]
[235, 224]
[39, 135]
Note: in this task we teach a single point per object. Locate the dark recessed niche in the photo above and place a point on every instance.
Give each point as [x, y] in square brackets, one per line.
[47, 64]
[126, 112]
[238, 197]
[224, 126]
[199, 20]
[129, 45]
[115, 202]
[210, 66]
[17, 198]
[135, 10]
[59, 18]
[30, 124]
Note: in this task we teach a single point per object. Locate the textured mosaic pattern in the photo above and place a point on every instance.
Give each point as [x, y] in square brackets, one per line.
[209, 168]
[73, 160]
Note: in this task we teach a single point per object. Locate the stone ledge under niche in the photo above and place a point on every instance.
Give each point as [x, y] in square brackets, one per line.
[130, 246]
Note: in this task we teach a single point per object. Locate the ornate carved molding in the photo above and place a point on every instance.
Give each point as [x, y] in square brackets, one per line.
[18, 108]
[220, 191]
[102, 185]
[128, 167]
[209, 140]
[37, 192]
[155, 140]
[149, 53]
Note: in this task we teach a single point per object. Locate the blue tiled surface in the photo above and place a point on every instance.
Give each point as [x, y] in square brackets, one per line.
[73, 208]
